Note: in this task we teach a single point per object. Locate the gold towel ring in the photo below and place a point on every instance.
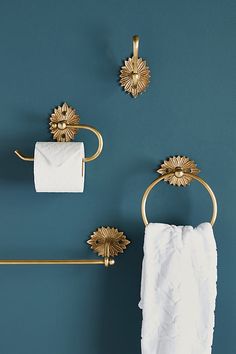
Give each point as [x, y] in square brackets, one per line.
[64, 124]
[178, 171]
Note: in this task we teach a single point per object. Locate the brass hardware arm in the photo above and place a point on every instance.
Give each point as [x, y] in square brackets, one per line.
[135, 52]
[79, 126]
[98, 135]
[106, 261]
[22, 157]
[197, 178]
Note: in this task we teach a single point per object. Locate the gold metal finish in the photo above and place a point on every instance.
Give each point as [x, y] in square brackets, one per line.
[22, 157]
[106, 241]
[55, 261]
[179, 166]
[61, 117]
[135, 74]
[64, 124]
[115, 240]
[99, 137]
[185, 176]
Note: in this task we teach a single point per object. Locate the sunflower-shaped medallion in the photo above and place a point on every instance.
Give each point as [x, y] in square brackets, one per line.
[110, 236]
[142, 76]
[61, 116]
[179, 166]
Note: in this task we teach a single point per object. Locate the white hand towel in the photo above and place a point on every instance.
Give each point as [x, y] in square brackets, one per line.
[178, 289]
[59, 167]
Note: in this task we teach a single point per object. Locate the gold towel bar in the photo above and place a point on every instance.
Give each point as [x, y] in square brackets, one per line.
[180, 171]
[105, 241]
[64, 124]
[105, 261]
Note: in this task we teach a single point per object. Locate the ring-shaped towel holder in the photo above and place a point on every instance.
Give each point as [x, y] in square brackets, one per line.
[64, 124]
[179, 171]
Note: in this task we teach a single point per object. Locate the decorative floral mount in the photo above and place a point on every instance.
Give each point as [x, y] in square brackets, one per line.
[180, 167]
[64, 115]
[114, 240]
[126, 76]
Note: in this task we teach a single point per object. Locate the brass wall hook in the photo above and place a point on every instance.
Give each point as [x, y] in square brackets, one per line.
[135, 74]
[107, 242]
[64, 125]
[179, 171]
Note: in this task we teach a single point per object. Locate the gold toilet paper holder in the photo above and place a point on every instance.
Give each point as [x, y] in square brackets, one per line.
[64, 125]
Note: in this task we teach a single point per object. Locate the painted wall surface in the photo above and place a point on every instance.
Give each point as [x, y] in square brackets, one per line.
[56, 51]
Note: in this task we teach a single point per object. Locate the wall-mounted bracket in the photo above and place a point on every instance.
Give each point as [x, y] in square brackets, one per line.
[64, 124]
[108, 241]
[135, 74]
[180, 167]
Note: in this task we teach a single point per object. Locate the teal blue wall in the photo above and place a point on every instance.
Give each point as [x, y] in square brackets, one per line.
[55, 51]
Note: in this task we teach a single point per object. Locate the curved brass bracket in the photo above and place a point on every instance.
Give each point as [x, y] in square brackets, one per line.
[90, 128]
[179, 171]
[23, 157]
[64, 124]
[135, 74]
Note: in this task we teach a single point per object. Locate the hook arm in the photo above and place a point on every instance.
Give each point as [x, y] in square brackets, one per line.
[135, 52]
[135, 59]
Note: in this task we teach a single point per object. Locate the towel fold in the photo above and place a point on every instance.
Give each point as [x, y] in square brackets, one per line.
[59, 167]
[178, 289]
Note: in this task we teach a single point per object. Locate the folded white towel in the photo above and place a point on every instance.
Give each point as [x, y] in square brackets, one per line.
[59, 167]
[178, 289]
